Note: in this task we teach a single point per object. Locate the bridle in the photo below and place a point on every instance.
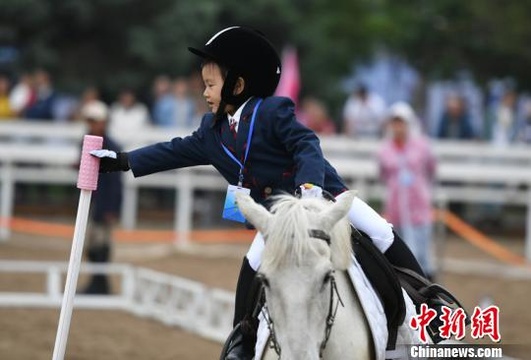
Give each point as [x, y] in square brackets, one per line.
[332, 307]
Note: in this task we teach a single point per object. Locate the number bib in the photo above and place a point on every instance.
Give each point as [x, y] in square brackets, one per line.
[230, 209]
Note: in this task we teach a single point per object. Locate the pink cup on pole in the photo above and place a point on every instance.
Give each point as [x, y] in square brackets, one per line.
[87, 178]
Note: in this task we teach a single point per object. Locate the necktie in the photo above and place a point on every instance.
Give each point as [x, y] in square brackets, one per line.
[232, 125]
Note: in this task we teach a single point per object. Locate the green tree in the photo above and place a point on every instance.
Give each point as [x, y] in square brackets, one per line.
[115, 43]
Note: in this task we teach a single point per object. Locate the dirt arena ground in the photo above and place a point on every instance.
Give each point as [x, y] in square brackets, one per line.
[105, 335]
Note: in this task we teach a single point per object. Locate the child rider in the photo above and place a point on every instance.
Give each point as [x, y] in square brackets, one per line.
[255, 142]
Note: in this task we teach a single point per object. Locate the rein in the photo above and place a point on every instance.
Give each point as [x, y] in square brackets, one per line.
[332, 312]
[332, 307]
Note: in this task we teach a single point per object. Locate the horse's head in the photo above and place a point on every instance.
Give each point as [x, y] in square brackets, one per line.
[306, 240]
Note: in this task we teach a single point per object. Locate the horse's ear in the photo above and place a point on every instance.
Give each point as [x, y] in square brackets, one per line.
[338, 210]
[255, 213]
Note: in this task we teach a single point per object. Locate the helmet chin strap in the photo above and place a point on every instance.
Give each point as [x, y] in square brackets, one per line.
[227, 91]
[228, 97]
[220, 112]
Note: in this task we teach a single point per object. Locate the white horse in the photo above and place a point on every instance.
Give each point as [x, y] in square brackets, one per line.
[307, 250]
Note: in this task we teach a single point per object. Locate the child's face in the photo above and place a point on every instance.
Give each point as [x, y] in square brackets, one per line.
[213, 82]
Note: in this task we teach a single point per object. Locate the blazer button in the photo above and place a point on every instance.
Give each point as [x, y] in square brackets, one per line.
[268, 191]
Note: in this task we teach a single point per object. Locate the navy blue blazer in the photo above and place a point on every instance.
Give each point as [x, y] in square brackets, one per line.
[283, 153]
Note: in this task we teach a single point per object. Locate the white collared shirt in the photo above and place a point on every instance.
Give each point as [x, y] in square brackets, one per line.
[237, 115]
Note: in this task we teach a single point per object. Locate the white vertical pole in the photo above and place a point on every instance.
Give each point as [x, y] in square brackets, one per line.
[87, 182]
[72, 275]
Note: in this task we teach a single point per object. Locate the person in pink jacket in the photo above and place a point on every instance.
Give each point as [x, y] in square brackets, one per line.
[407, 167]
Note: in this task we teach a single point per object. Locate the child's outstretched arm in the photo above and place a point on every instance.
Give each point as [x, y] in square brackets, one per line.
[173, 154]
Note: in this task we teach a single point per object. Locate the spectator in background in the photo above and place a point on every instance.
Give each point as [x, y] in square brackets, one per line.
[106, 201]
[127, 117]
[407, 167]
[64, 107]
[22, 95]
[163, 103]
[363, 114]
[314, 115]
[455, 121]
[502, 129]
[184, 107]
[90, 95]
[524, 125]
[5, 107]
[43, 107]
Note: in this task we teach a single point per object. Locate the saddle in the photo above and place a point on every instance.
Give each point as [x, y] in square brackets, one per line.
[383, 279]
[388, 281]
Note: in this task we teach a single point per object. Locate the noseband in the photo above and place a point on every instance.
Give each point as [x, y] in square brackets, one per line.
[332, 307]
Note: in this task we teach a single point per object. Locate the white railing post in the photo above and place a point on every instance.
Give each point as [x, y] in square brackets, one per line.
[128, 287]
[439, 230]
[129, 202]
[54, 284]
[528, 226]
[184, 206]
[6, 200]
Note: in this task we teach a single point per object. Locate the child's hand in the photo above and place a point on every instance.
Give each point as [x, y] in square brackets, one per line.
[310, 191]
[111, 161]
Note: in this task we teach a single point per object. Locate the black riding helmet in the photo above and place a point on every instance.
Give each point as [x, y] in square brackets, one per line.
[245, 53]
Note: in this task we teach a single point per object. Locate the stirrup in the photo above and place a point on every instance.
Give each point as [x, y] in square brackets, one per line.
[228, 342]
[422, 290]
[238, 339]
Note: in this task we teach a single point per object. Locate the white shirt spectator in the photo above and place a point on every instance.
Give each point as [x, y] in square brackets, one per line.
[21, 96]
[364, 116]
[127, 121]
[504, 126]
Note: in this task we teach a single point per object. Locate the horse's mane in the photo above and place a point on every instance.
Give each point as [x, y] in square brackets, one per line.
[287, 234]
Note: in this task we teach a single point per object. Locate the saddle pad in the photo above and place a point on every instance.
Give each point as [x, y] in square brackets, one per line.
[374, 312]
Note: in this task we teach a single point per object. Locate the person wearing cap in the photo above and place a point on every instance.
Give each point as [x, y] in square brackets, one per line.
[106, 201]
[407, 168]
[256, 143]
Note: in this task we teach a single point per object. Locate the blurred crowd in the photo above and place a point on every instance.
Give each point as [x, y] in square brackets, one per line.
[506, 118]
[172, 103]
[502, 116]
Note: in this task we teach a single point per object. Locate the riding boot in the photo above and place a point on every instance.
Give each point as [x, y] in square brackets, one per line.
[240, 345]
[99, 282]
[400, 255]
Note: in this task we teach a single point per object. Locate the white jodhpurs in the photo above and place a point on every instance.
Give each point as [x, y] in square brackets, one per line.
[360, 215]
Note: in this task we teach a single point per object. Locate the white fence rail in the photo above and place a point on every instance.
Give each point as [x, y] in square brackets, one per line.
[467, 171]
[172, 300]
